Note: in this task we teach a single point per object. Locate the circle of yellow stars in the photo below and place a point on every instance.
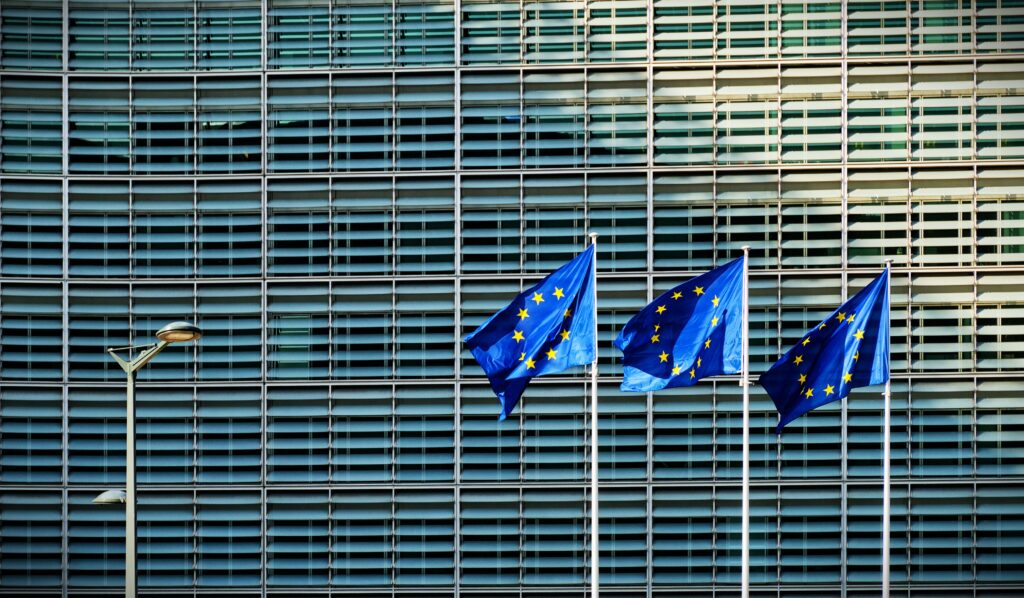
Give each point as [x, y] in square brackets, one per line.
[520, 335]
[664, 356]
[829, 389]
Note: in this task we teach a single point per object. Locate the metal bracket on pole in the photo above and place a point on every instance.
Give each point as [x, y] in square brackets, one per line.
[143, 358]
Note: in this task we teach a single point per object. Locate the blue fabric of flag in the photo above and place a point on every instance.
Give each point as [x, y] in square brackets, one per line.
[688, 333]
[846, 350]
[546, 329]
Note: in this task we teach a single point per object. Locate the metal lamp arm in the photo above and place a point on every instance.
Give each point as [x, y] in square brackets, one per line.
[145, 357]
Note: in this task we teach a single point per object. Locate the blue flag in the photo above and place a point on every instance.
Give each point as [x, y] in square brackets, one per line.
[545, 330]
[689, 332]
[846, 350]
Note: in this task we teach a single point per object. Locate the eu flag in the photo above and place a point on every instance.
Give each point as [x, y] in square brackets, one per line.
[689, 332]
[546, 329]
[848, 349]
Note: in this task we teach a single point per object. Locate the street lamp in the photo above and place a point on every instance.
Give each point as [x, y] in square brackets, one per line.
[175, 332]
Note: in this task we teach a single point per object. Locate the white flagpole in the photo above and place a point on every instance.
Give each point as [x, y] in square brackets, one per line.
[886, 474]
[745, 383]
[595, 586]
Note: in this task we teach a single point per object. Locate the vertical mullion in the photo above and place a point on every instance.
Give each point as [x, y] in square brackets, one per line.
[195, 47]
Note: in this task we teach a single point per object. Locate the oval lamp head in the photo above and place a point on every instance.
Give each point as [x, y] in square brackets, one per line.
[179, 332]
[110, 497]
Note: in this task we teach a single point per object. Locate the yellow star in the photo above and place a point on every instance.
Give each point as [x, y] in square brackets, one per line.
[523, 314]
[676, 370]
[856, 356]
[799, 359]
[677, 295]
[565, 335]
[715, 301]
[806, 342]
[693, 373]
[821, 326]
[803, 378]
[558, 293]
[850, 319]
[714, 321]
[698, 362]
[657, 327]
[859, 335]
[707, 344]
[522, 356]
[847, 377]
[518, 335]
[841, 316]
[699, 291]
[552, 354]
[663, 357]
[809, 393]
[829, 389]
[660, 310]
[655, 338]
[538, 298]
[530, 364]
[567, 313]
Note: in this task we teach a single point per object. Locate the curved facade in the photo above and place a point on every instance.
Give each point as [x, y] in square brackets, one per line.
[337, 192]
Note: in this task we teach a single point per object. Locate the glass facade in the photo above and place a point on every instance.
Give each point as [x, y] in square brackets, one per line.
[338, 191]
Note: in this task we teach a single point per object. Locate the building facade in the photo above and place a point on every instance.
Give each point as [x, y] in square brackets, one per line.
[336, 192]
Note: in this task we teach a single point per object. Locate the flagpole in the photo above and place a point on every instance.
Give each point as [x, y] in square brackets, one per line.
[886, 474]
[595, 586]
[745, 383]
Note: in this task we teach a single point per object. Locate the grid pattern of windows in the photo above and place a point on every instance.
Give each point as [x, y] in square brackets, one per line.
[337, 191]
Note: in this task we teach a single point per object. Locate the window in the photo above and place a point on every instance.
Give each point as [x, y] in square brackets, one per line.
[298, 228]
[99, 128]
[362, 34]
[554, 119]
[298, 36]
[163, 39]
[228, 443]
[298, 115]
[553, 534]
[166, 535]
[98, 318]
[491, 120]
[228, 35]
[617, 31]
[164, 423]
[31, 228]
[31, 347]
[228, 539]
[228, 135]
[163, 229]
[297, 435]
[617, 118]
[363, 330]
[683, 30]
[297, 538]
[424, 537]
[30, 545]
[31, 36]
[362, 440]
[31, 430]
[98, 229]
[362, 543]
[99, 39]
[554, 31]
[298, 335]
[32, 130]
[747, 30]
[490, 32]
[426, 120]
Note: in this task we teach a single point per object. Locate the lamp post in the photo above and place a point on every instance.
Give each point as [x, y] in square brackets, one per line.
[175, 332]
